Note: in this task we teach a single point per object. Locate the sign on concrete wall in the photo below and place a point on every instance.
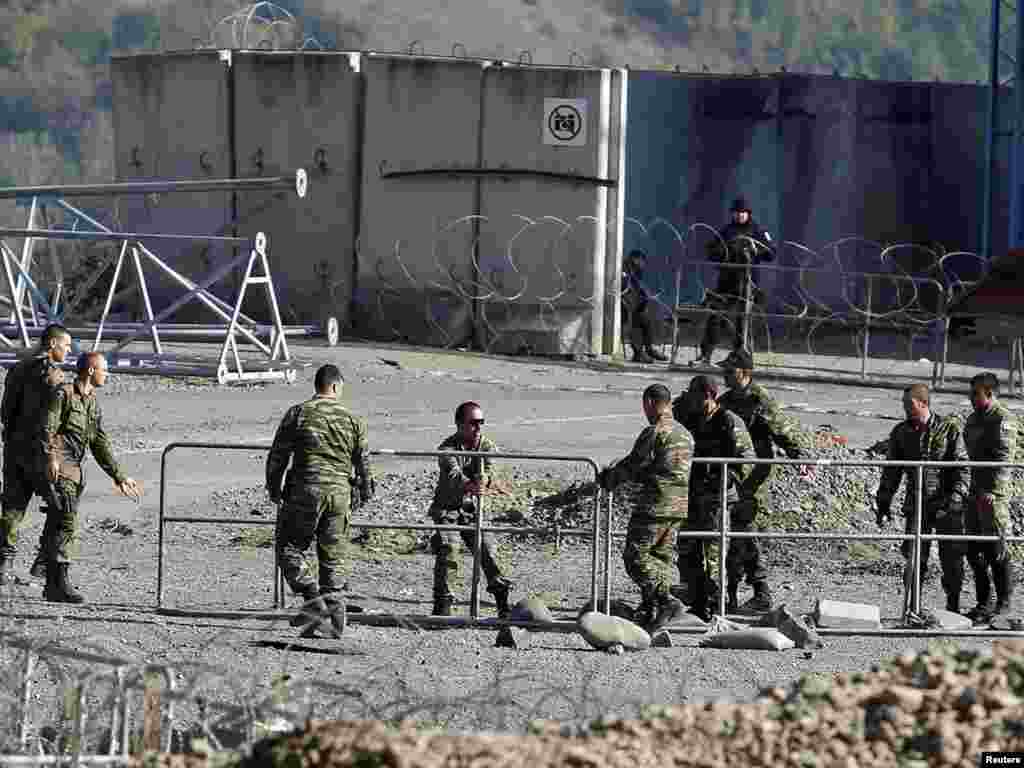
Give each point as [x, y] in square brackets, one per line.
[565, 122]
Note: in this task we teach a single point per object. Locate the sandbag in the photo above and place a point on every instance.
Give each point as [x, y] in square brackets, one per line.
[748, 639]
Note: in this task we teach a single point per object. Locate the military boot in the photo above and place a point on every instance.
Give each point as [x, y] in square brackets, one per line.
[38, 569]
[334, 607]
[953, 602]
[59, 588]
[500, 592]
[982, 612]
[669, 610]
[1002, 577]
[762, 599]
[442, 605]
[311, 614]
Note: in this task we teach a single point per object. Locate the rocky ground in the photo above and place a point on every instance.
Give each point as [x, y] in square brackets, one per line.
[227, 646]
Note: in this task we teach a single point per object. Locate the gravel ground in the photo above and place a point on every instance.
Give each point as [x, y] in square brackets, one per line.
[226, 645]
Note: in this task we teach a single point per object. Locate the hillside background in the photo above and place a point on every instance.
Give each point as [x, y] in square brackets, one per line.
[55, 91]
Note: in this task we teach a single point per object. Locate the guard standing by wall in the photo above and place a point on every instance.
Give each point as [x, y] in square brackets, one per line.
[326, 444]
[741, 243]
[989, 435]
[768, 427]
[660, 463]
[717, 433]
[926, 436]
[460, 480]
[74, 423]
[27, 390]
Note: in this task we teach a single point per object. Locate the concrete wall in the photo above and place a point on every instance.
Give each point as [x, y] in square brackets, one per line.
[415, 267]
[301, 111]
[172, 122]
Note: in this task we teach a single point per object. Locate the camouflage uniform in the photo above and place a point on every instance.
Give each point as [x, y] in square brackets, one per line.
[73, 423]
[326, 444]
[990, 436]
[945, 490]
[660, 463]
[27, 389]
[453, 507]
[768, 427]
[721, 436]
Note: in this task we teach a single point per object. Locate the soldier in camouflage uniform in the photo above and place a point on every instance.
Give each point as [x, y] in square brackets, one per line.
[717, 433]
[989, 435]
[460, 480]
[26, 392]
[660, 463]
[72, 424]
[768, 427]
[926, 436]
[325, 444]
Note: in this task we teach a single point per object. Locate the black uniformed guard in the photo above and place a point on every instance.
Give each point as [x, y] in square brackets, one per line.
[926, 436]
[635, 305]
[741, 243]
[717, 433]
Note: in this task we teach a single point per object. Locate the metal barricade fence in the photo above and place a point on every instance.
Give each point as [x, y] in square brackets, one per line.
[723, 534]
[478, 530]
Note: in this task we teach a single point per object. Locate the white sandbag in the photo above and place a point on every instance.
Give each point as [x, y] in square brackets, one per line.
[749, 639]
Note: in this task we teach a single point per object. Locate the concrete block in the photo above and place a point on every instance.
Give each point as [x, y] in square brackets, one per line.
[516, 638]
[603, 632]
[950, 620]
[837, 614]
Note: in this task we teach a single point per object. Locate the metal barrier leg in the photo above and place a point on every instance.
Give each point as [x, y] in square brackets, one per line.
[478, 539]
[608, 554]
[723, 540]
[595, 546]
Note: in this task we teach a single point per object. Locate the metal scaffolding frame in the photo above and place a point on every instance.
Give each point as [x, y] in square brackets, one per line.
[31, 309]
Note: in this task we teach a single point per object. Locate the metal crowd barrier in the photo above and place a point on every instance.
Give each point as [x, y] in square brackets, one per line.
[723, 534]
[478, 529]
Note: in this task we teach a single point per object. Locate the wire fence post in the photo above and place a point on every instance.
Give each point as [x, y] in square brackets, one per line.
[26, 697]
[867, 330]
[595, 545]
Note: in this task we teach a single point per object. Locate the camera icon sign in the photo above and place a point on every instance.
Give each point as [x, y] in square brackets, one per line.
[565, 122]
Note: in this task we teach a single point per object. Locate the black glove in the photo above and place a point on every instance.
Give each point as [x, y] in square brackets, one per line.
[883, 515]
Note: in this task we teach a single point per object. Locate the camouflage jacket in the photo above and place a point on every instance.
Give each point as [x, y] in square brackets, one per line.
[73, 423]
[660, 463]
[27, 390]
[768, 426]
[990, 436]
[456, 470]
[938, 440]
[325, 443]
[722, 436]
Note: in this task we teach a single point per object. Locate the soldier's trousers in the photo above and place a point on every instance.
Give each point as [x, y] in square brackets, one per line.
[744, 556]
[311, 513]
[728, 310]
[447, 548]
[648, 555]
[23, 481]
[982, 522]
[951, 553]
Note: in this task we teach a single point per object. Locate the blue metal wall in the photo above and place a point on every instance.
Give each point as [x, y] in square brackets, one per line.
[820, 158]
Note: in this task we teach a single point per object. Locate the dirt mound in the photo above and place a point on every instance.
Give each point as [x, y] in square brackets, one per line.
[939, 707]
